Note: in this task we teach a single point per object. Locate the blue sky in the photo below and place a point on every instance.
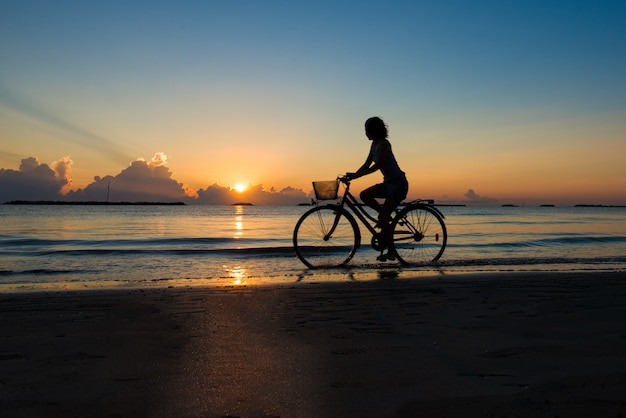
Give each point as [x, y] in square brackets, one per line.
[519, 101]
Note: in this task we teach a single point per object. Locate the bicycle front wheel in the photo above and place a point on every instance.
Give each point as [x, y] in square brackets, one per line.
[326, 236]
[419, 235]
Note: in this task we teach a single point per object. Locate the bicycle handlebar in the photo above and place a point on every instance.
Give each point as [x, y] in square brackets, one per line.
[344, 178]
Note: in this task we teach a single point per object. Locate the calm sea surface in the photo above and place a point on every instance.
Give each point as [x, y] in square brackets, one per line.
[73, 247]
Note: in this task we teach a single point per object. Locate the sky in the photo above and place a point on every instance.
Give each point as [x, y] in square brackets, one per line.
[487, 102]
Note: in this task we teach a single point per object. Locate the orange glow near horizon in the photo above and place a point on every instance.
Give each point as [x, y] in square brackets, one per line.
[258, 121]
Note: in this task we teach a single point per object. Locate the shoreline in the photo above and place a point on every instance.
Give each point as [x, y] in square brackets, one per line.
[307, 276]
[506, 344]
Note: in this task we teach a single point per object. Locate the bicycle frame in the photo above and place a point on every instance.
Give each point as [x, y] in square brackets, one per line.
[357, 209]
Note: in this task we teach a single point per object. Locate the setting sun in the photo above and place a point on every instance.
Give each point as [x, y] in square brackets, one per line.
[239, 188]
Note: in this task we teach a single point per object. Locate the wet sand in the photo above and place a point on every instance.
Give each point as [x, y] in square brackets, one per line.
[513, 345]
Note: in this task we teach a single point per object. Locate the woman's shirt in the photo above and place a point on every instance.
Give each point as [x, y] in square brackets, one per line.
[389, 167]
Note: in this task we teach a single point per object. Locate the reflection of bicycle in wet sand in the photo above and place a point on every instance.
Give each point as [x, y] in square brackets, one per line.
[328, 235]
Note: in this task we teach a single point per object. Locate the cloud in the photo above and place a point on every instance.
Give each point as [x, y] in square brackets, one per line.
[223, 195]
[141, 181]
[34, 181]
[472, 198]
[158, 160]
[63, 169]
[216, 194]
[287, 196]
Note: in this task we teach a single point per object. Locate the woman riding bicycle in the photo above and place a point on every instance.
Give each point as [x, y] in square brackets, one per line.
[394, 187]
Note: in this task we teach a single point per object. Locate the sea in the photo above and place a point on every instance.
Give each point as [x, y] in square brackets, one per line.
[71, 247]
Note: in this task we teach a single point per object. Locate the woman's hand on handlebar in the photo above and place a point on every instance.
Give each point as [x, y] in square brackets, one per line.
[347, 177]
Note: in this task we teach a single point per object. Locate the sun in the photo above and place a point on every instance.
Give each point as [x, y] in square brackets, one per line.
[239, 188]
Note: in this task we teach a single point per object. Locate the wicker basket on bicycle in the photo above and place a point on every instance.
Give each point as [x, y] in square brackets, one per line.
[326, 190]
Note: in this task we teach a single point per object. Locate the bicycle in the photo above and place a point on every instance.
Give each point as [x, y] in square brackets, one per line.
[329, 236]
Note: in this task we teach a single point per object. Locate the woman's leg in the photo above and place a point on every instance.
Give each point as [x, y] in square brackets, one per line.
[386, 210]
[369, 196]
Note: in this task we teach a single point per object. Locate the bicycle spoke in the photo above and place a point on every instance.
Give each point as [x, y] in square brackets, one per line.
[325, 236]
[419, 235]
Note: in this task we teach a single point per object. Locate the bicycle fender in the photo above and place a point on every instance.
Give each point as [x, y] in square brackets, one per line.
[438, 211]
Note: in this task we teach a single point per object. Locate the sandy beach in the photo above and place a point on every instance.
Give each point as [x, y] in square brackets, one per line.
[501, 345]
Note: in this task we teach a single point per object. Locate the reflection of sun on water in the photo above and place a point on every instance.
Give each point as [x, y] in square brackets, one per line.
[238, 222]
[238, 227]
[238, 274]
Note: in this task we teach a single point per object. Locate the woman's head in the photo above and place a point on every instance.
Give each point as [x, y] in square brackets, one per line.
[375, 128]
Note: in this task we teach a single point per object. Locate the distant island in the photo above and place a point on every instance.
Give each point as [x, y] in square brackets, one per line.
[599, 206]
[95, 203]
[242, 204]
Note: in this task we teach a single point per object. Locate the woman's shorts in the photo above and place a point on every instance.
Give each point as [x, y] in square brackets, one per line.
[396, 189]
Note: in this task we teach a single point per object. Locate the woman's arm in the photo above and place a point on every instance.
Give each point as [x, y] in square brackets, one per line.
[368, 167]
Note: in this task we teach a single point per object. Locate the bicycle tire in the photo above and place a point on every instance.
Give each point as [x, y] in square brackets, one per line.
[419, 235]
[315, 248]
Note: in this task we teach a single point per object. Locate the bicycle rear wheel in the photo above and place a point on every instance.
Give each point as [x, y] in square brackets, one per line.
[326, 236]
[419, 235]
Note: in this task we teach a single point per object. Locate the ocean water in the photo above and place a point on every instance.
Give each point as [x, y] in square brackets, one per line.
[74, 247]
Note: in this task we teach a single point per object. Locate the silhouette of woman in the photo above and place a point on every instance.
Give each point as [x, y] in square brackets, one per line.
[394, 187]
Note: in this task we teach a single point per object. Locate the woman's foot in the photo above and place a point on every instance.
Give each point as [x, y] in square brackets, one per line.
[386, 256]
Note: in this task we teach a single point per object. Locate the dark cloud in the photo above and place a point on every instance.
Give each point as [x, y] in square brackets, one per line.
[473, 198]
[287, 196]
[216, 194]
[34, 181]
[142, 181]
[223, 195]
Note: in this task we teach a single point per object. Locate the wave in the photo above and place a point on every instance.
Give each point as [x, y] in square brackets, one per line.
[173, 246]
[544, 242]
[12, 242]
[43, 272]
[249, 251]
